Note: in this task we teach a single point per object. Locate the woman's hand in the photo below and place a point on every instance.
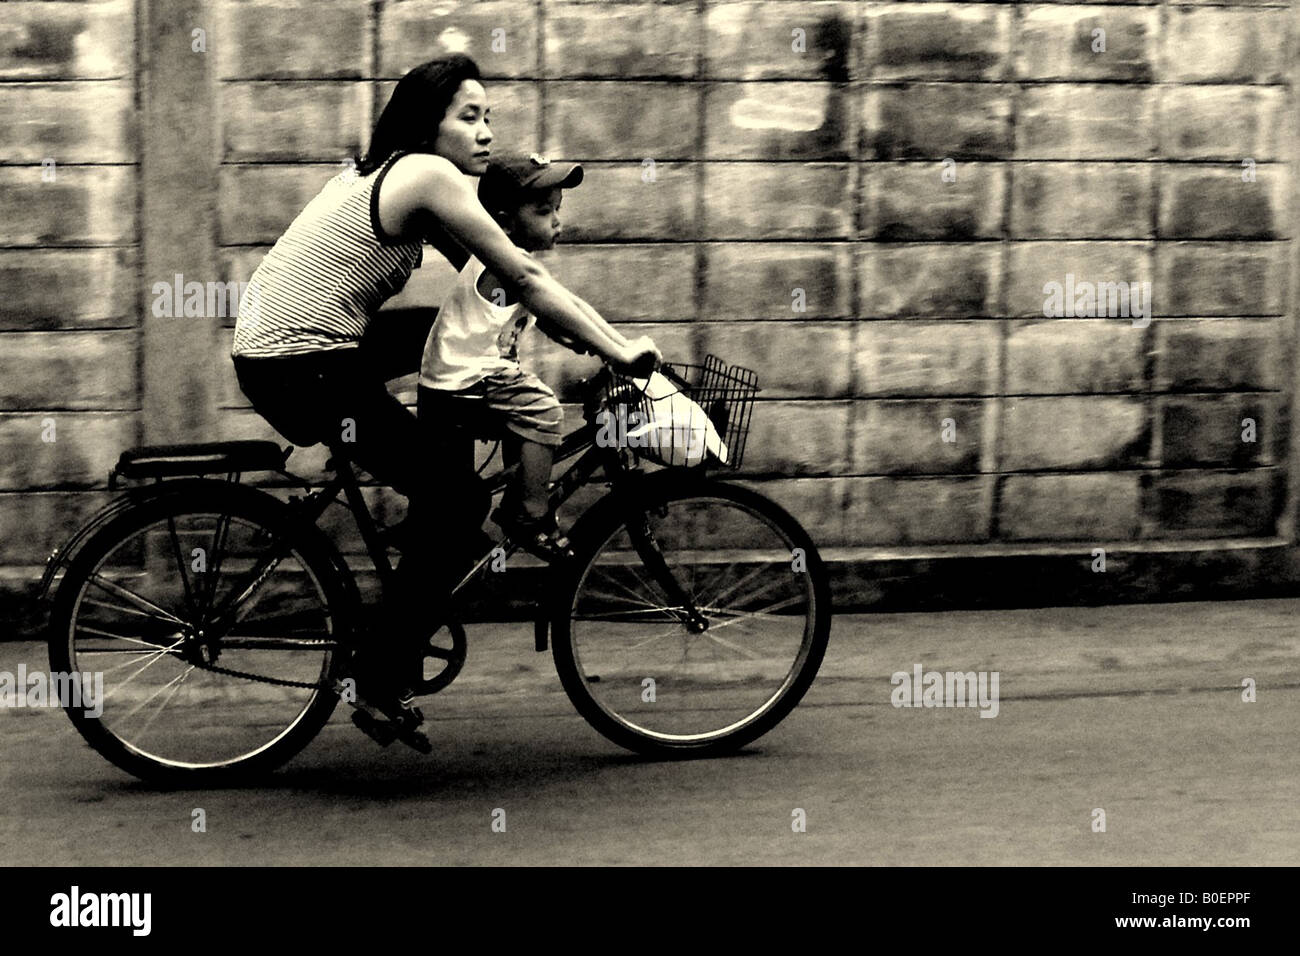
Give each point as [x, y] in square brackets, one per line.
[638, 358]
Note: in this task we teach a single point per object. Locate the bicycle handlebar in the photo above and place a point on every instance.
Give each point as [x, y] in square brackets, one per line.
[591, 388]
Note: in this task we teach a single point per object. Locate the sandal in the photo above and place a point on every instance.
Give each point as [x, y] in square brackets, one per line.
[537, 536]
[376, 672]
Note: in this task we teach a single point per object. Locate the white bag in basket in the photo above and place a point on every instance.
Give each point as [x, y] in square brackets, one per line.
[679, 431]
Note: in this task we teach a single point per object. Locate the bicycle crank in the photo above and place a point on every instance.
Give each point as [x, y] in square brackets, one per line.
[446, 646]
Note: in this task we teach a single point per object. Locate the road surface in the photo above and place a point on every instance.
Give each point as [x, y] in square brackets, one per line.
[1137, 711]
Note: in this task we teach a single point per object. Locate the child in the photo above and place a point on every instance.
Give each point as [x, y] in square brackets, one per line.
[470, 376]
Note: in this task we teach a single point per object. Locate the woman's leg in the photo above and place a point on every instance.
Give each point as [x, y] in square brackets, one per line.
[453, 512]
[339, 397]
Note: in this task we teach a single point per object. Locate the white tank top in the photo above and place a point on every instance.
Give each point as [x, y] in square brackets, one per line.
[473, 336]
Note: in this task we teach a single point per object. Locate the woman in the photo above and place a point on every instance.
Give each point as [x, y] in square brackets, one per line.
[297, 343]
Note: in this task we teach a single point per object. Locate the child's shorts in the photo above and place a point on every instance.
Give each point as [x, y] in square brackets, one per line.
[511, 401]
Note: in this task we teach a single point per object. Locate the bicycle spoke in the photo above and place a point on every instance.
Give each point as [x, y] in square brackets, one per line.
[720, 580]
[754, 595]
[718, 641]
[675, 629]
[720, 598]
[123, 609]
[127, 595]
[636, 597]
[136, 709]
[213, 581]
[616, 598]
[624, 615]
[128, 663]
[100, 632]
[654, 590]
[180, 565]
[177, 681]
[153, 659]
[737, 616]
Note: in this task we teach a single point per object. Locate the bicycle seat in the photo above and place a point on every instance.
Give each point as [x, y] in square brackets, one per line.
[202, 458]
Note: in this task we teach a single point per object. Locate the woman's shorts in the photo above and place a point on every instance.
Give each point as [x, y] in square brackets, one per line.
[513, 401]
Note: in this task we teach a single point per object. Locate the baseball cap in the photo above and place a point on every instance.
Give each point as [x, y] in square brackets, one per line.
[508, 177]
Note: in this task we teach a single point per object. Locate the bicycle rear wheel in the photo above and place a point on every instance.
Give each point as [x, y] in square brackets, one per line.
[713, 661]
[215, 622]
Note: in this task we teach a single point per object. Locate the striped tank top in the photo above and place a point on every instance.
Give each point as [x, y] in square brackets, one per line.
[326, 275]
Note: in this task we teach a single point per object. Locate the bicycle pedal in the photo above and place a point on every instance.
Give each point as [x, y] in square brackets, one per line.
[409, 716]
[381, 732]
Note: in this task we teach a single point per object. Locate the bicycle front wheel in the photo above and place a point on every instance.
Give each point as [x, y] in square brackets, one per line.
[211, 622]
[697, 621]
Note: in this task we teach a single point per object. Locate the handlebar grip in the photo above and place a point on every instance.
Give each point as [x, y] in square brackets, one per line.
[591, 388]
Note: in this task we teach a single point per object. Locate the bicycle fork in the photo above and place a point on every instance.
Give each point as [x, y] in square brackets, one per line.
[647, 548]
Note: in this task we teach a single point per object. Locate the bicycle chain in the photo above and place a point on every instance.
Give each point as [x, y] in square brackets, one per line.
[262, 678]
[279, 681]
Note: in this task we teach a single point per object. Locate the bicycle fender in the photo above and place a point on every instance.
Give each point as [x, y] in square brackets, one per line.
[634, 489]
[62, 556]
[59, 559]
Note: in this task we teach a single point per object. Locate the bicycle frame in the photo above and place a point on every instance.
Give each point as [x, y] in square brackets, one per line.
[580, 443]
[655, 535]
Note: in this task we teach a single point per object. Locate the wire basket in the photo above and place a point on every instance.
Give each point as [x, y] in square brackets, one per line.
[684, 416]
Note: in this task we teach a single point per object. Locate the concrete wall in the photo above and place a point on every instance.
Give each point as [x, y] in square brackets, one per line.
[774, 170]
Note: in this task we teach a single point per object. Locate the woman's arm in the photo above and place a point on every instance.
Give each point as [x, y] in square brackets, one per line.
[552, 332]
[445, 192]
[585, 307]
[550, 329]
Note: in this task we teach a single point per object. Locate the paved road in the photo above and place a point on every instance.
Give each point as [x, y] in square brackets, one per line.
[1136, 710]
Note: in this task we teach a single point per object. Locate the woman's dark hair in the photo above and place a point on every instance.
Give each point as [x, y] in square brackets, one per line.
[409, 123]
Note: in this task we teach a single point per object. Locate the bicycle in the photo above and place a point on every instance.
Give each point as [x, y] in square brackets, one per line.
[691, 622]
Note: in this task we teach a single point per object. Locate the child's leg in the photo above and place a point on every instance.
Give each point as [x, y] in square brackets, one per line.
[535, 463]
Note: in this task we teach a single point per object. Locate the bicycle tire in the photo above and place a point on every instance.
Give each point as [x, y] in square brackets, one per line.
[308, 543]
[605, 521]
